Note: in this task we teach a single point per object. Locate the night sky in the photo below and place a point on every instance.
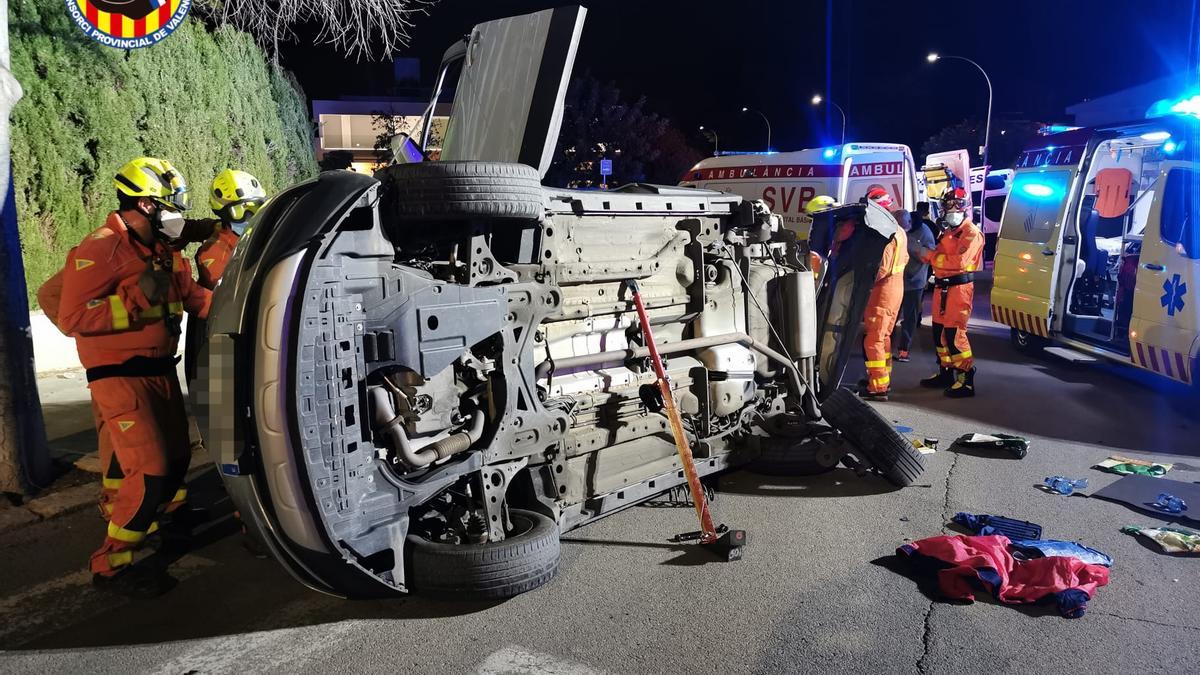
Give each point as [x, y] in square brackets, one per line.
[700, 62]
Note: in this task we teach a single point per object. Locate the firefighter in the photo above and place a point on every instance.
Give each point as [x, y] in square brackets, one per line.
[883, 305]
[235, 197]
[124, 289]
[958, 255]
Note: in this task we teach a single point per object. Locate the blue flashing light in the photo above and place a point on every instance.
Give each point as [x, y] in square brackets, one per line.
[1170, 147]
[829, 153]
[1038, 190]
[1051, 148]
[1187, 106]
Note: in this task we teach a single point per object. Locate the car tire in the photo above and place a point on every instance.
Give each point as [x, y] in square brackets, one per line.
[1026, 343]
[870, 434]
[797, 448]
[461, 190]
[522, 562]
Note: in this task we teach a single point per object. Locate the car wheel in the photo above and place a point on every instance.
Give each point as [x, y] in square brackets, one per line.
[874, 437]
[797, 448]
[526, 559]
[461, 190]
[1027, 343]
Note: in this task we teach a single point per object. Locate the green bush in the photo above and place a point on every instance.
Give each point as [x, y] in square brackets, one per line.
[204, 99]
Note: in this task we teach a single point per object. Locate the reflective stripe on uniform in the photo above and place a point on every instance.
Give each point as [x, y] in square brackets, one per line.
[877, 364]
[180, 495]
[121, 534]
[155, 312]
[120, 559]
[111, 483]
[120, 316]
[881, 381]
[962, 356]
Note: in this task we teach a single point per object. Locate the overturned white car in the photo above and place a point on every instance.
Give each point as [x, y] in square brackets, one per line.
[416, 381]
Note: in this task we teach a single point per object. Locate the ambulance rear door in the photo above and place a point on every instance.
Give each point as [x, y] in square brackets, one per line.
[867, 166]
[1163, 331]
[1027, 254]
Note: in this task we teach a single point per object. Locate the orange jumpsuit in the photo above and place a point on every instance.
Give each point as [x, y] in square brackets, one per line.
[959, 252]
[882, 307]
[49, 297]
[214, 255]
[128, 350]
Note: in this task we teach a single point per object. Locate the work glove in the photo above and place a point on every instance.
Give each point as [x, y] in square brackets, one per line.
[154, 284]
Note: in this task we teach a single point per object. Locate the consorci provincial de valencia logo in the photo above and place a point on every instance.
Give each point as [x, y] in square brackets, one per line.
[128, 24]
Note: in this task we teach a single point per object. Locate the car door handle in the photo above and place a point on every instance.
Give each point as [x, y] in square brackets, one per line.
[1047, 251]
[1153, 266]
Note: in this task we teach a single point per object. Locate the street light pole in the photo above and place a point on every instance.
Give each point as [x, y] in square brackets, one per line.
[934, 57]
[764, 118]
[711, 134]
[817, 100]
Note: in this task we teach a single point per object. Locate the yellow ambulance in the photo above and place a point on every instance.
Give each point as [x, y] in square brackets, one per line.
[1099, 250]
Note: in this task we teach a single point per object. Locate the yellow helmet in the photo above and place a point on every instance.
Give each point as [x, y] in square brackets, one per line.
[820, 203]
[155, 178]
[236, 195]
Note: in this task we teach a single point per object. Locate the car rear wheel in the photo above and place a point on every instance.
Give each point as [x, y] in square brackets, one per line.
[461, 190]
[874, 437]
[1027, 343]
[524, 560]
[797, 448]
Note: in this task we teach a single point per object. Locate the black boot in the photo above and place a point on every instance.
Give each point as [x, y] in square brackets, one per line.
[964, 385]
[136, 581]
[943, 379]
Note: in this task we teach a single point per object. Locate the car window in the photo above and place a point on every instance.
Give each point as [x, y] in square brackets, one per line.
[1035, 205]
[993, 207]
[1178, 223]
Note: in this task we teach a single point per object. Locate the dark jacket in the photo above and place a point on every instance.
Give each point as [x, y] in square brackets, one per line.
[916, 273]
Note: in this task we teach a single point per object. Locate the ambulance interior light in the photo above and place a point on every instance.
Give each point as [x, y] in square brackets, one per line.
[1038, 190]
[1156, 136]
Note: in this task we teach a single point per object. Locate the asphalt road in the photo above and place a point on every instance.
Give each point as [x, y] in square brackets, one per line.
[816, 592]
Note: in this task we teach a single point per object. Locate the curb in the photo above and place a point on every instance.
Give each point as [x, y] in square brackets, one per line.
[50, 506]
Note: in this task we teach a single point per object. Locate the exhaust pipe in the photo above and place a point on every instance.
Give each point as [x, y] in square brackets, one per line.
[390, 425]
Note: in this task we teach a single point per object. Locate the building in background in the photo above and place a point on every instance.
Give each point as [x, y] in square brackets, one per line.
[361, 125]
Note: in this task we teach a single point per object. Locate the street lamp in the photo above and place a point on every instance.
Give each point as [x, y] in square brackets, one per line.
[711, 135]
[934, 57]
[817, 100]
[764, 117]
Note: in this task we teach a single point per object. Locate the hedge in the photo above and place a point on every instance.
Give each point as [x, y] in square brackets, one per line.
[205, 99]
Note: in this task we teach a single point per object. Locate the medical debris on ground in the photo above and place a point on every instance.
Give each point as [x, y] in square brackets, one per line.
[1171, 539]
[1124, 466]
[1016, 446]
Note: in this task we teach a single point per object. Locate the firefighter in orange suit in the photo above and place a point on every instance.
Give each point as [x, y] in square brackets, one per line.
[959, 254]
[123, 294]
[235, 197]
[883, 305]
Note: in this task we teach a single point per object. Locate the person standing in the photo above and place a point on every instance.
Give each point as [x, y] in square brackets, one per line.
[916, 276]
[124, 290]
[883, 304]
[955, 259]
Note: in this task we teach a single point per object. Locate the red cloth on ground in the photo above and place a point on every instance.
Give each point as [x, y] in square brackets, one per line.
[987, 559]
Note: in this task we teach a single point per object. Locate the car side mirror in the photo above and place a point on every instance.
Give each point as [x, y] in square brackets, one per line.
[405, 150]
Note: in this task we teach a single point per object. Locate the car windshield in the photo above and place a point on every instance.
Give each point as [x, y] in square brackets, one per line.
[1035, 205]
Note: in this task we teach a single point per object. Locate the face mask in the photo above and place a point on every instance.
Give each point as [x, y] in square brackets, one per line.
[169, 224]
[239, 228]
[955, 219]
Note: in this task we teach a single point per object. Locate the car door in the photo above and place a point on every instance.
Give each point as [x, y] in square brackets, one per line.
[1163, 331]
[1027, 254]
[508, 104]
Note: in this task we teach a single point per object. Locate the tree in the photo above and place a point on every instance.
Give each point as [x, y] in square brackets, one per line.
[336, 159]
[357, 28]
[599, 124]
[1007, 141]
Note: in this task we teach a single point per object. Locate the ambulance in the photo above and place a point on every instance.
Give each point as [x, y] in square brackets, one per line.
[1099, 249]
[786, 181]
